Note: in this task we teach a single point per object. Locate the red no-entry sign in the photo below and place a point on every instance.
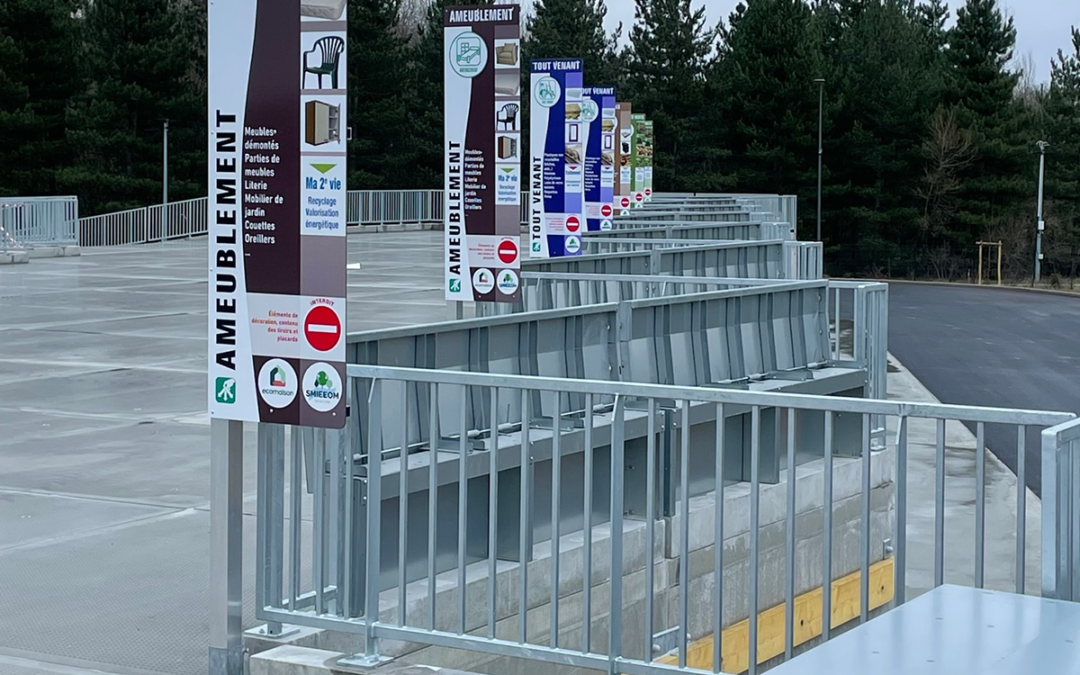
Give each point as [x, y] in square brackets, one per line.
[626, 201]
[508, 251]
[573, 223]
[605, 210]
[322, 328]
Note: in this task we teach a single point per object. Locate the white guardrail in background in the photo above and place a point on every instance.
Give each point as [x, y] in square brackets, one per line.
[181, 220]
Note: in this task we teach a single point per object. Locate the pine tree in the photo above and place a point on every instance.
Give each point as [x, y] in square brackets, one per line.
[671, 47]
[381, 152]
[139, 58]
[425, 81]
[763, 88]
[1000, 181]
[573, 29]
[37, 80]
[1062, 166]
[882, 77]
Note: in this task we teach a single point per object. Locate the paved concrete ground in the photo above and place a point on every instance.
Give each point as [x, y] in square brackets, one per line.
[995, 347]
[104, 446]
[104, 454]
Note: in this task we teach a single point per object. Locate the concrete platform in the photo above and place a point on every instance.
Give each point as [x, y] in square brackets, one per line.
[104, 478]
[954, 630]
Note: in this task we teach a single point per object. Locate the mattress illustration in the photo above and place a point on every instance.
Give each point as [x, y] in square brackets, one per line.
[322, 9]
[507, 85]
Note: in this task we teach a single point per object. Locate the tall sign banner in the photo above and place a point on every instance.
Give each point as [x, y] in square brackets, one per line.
[557, 166]
[637, 162]
[598, 117]
[482, 124]
[277, 248]
[645, 151]
[624, 156]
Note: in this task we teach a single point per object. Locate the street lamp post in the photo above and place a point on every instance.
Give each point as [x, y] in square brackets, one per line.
[820, 117]
[1040, 225]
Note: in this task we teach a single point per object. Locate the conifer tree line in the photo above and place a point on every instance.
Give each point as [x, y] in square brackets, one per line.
[930, 126]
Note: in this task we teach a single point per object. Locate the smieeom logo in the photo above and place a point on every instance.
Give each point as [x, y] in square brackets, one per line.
[225, 390]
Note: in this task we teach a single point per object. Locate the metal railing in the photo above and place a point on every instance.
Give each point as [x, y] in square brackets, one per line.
[27, 222]
[179, 220]
[647, 482]
[163, 222]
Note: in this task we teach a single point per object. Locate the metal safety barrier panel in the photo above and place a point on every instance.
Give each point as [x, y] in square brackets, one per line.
[857, 311]
[694, 339]
[800, 260]
[711, 231]
[27, 222]
[712, 215]
[760, 259]
[425, 525]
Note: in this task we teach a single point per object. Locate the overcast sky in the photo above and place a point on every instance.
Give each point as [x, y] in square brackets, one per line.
[1042, 26]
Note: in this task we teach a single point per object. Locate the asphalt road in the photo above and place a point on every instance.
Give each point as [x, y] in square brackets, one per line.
[992, 347]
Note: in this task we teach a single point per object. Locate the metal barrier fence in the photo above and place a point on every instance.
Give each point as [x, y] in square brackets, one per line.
[862, 305]
[26, 222]
[754, 259]
[734, 231]
[178, 220]
[163, 222]
[641, 565]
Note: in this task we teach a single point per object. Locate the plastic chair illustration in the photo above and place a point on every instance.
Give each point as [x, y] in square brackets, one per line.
[330, 49]
[508, 115]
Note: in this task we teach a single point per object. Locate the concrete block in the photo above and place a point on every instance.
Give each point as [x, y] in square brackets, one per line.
[291, 660]
[65, 251]
[14, 257]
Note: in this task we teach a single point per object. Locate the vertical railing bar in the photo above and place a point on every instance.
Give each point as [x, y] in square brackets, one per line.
[939, 507]
[789, 559]
[403, 505]
[684, 535]
[864, 572]
[650, 525]
[524, 522]
[718, 554]
[434, 437]
[1021, 509]
[556, 514]
[263, 499]
[333, 443]
[755, 523]
[372, 548]
[900, 570]
[618, 466]
[827, 512]
[493, 510]
[463, 489]
[587, 530]
[276, 539]
[295, 495]
[350, 495]
[836, 324]
[318, 527]
[980, 504]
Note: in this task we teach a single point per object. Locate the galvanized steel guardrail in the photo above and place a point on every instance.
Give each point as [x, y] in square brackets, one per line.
[377, 479]
[729, 231]
[28, 222]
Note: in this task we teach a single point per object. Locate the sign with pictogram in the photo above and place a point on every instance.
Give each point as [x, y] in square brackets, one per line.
[573, 224]
[606, 210]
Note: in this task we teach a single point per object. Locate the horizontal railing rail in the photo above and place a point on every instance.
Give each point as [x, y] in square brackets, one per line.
[677, 229]
[587, 504]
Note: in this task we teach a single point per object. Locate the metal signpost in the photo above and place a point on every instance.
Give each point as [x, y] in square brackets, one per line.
[624, 157]
[556, 169]
[598, 118]
[482, 178]
[277, 253]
